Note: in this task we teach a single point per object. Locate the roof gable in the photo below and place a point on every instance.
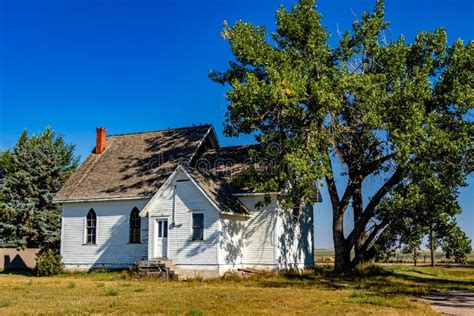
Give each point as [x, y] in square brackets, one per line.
[133, 165]
[216, 193]
[217, 190]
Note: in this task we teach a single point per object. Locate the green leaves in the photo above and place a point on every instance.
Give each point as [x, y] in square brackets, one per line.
[248, 43]
[455, 243]
[376, 106]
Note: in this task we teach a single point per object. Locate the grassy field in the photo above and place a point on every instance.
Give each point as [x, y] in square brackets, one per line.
[376, 289]
[423, 256]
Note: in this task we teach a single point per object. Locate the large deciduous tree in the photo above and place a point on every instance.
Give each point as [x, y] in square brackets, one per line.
[383, 109]
[31, 173]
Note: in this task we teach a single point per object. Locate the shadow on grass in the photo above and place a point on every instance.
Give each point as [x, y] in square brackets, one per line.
[18, 272]
[442, 282]
[373, 278]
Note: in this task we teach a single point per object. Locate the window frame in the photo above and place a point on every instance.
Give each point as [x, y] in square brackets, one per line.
[162, 231]
[133, 228]
[87, 227]
[192, 226]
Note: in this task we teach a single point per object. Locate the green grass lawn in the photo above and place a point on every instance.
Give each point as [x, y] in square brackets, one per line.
[374, 290]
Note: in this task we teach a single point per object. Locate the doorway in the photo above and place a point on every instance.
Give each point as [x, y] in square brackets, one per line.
[161, 240]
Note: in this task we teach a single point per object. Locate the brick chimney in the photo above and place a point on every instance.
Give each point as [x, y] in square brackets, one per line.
[100, 140]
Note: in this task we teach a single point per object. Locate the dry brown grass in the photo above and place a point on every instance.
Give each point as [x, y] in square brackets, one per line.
[371, 291]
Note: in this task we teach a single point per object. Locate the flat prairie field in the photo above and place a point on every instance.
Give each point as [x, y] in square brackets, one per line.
[373, 289]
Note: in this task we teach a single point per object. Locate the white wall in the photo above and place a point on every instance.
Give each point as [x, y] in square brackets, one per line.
[295, 239]
[112, 247]
[231, 242]
[182, 250]
[271, 238]
[259, 233]
[264, 240]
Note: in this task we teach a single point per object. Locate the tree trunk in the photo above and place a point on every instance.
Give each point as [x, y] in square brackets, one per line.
[342, 254]
[358, 209]
[342, 262]
[432, 246]
[415, 256]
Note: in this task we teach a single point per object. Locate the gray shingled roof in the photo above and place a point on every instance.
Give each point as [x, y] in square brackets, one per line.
[137, 165]
[133, 165]
[226, 162]
[219, 190]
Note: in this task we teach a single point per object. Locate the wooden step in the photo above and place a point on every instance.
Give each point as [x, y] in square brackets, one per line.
[157, 267]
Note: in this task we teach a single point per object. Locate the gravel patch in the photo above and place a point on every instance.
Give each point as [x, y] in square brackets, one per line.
[452, 303]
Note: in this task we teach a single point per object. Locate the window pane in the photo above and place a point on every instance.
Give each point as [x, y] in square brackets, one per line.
[165, 234]
[135, 226]
[160, 229]
[91, 227]
[198, 226]
[135, 235]
[90, 237]
[198, 220]
[197, 234]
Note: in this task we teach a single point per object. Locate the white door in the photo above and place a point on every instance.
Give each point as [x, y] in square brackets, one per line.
[161, 240]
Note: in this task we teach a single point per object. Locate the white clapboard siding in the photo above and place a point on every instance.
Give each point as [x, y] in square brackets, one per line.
[112, 248]
[272, 239]
[295, 239]
[231, 242]
[259, 233]
[265, 239]
[182, 250]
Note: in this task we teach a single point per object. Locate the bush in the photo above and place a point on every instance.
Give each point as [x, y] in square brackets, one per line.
[48, 263]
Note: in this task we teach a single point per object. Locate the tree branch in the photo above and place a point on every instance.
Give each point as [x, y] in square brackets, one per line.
[396, 177]
[369, 211]
[351, 186]
[334, 196]
[370, 168]
[367, 243]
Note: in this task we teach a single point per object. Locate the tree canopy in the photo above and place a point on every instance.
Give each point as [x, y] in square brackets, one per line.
[32, 172]
[387, 109]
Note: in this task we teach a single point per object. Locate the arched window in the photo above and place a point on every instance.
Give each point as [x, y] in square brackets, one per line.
[135, 226]
[91, 227]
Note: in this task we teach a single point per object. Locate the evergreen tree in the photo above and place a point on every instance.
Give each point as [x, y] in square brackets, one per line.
[31, 173]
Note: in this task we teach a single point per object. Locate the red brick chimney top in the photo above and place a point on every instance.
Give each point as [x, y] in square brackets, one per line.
[100, 140]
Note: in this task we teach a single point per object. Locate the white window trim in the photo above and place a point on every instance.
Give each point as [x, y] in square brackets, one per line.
[142, 224]
[203, 225]
[129, 227]
[84, 238]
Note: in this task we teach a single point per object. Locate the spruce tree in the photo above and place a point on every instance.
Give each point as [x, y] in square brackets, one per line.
[31, 173]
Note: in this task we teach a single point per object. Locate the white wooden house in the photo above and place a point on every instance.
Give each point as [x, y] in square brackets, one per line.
[168, 194]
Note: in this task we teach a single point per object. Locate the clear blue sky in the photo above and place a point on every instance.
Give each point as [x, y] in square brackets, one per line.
[143, 65]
